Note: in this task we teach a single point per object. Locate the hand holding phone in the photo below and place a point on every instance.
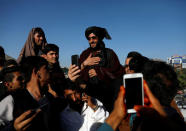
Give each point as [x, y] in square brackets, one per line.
[134, 91]
[23, 121]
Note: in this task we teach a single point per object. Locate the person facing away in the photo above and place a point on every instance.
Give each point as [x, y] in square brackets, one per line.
[163, 83]
[134, 62]
[100, 67]
[34, 44]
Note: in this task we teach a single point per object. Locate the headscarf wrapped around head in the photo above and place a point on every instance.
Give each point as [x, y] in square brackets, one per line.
[98, 31]
[29, 46]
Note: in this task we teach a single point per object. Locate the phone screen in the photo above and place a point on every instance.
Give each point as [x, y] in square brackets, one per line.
[134, 94]
[75, 59]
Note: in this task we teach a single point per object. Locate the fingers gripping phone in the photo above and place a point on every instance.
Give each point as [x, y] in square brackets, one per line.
[133, 84]
[75, 60]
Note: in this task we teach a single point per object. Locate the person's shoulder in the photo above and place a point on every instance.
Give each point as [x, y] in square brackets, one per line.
[85, 51]
[110, 52]
[105, 127]
[6, 109]
[6, 100]
[6, 104]
[20, 94]
[108, 49]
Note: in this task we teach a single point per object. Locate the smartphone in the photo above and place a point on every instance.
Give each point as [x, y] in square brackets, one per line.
[75, 60]
[133, 84]
[42, 107]
[83, 94]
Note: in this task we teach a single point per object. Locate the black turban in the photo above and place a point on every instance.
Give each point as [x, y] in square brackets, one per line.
[98, 31]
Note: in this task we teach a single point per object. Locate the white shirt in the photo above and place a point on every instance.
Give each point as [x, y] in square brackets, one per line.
[6, 109]
[88, 120]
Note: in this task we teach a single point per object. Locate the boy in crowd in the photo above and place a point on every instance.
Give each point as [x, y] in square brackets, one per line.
[12, 80]
[30, 108]
[51, 54]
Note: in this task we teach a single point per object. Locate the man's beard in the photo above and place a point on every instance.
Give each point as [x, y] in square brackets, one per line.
[77, 106]
[94, 48]
[100, 45]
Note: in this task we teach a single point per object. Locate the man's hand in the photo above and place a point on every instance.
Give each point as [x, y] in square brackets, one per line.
[151, 101]
[92, 73]
[22, 122]
[91, 61]
[73, 72]
[90, 101]
[85, 97]
[119, 112]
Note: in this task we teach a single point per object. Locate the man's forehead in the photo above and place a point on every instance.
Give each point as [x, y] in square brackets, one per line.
[52, 52]
[38, 34]
[69, 92]
[92, 34]
[17, 73]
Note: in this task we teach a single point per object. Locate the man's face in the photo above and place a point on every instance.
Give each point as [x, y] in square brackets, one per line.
[93, 40]
[70, 94]
[52, 57]
[43, 76]
[74, 98]
[127, 68]
[16, 83]
[38, 39]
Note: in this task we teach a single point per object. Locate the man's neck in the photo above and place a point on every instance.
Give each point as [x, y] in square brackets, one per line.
[34, 90]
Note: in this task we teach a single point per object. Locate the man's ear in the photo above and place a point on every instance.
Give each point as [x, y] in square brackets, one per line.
[44, 56]
[7, 84]
[36, 73]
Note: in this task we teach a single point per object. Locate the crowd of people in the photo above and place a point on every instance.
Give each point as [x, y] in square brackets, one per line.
[35, 95]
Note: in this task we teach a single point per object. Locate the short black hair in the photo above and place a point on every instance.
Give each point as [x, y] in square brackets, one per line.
[162, 80]
[50, 47]
[2, 56]
[29, 63]
[134, 54]
[137, 61]
[7, 73]
[10, 62]
[69, 85]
